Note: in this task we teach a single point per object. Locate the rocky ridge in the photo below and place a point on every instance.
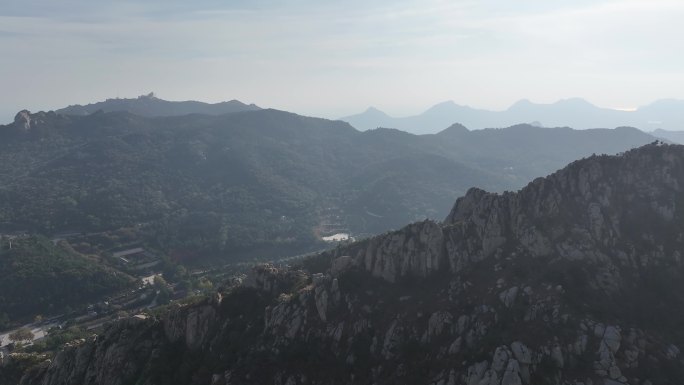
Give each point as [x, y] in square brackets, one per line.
[575, 279]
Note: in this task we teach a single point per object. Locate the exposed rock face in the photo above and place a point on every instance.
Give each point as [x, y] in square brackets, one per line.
[23, 120]
[118, 357]
[415, 250]
[579, 213]
[275, 281]
[26, 122]
[191, 327]
[341, 264]
[576, 279]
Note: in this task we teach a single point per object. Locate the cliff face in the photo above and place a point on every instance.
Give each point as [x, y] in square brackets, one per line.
[611, 211]
[118, 357]
[576, 279]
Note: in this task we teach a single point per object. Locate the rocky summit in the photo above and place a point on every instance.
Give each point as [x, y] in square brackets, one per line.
[576, 279]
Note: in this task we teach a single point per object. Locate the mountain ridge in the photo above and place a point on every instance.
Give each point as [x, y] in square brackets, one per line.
[150, 106]
[481, 298]
[250, 169]
[572, 112]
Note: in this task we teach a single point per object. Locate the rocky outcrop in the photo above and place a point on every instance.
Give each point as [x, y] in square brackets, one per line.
[25, 121]
[579, 213]
[22, 120]
[580, 210]
[190, 326]
[416, 250]
[118, 357]
[573, 280]
[273, 280]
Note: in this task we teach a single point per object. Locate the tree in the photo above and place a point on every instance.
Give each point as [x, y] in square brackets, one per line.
[205, 284]
[4, 321]
[163, 293]
[23, 334]
[163, 296]
[160, 282]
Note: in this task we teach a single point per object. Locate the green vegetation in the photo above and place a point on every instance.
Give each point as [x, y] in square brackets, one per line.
[11, 373]
[56, 338]
[163, 292]
[21, 335]
[4, 321]
[41, 278]
[258, 183]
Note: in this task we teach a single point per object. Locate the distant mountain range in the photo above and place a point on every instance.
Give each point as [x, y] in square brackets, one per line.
[262, 182]
[149, 105]
[672, 136]
[577, 113]
[664, 116]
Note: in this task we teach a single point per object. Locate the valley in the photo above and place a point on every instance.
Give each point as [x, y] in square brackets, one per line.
[509, 210]
[257, 184]
[158, 215]
[568, 280]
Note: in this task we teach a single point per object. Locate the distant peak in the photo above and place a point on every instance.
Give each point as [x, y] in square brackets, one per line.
[521, 105]
[523, 102]
[574, 102]
[150, 105]
[627, 129]
[447, 106]
[445, 103]
[454, 129]
[665, 103]
[522, 127]
[374, 111]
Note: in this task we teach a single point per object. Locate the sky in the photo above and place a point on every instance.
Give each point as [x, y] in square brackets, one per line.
[332, 59]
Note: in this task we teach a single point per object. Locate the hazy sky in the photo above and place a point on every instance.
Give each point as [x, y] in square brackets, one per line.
[336, 58]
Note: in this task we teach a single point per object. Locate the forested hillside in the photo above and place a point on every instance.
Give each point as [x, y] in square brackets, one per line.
[39, 277]
[259, 183]
[575, 279]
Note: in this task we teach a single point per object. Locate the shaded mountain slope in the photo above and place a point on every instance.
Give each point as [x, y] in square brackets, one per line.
[39, 277]
[523, 152]
[577, 278]
[258, 183]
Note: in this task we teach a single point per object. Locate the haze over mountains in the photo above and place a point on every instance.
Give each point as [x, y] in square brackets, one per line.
[663, 118]
[242, 233]
[676, 136]
[259, 182]
[510, 289]
[576, 113]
